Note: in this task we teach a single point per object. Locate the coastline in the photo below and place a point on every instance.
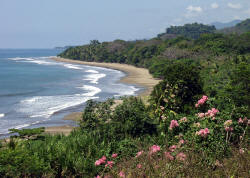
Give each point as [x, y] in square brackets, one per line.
[135, 75]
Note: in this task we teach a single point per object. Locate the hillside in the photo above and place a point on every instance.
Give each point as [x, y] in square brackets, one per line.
[192, 31]
[221, 25]
[239, 28]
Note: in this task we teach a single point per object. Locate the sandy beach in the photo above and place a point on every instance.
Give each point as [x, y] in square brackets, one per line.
[135, 75]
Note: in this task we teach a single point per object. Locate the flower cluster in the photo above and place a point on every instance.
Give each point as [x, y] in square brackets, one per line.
[181, 156]
[244, 121]
[154, 149]
[173, 124]
[139, 154]
[114, 155]
[212, 112]
[203, 132]
[201, 101]
[122, 174]
[184, 119]
[172, 148]
[169, 156]
[100, 161]
[103, 161]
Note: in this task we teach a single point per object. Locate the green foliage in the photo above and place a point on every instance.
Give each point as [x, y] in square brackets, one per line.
[27, 133]
[132, 118]
[190, 30]
[240, 28]
[129, 118]
[239, 86]
[178, 89]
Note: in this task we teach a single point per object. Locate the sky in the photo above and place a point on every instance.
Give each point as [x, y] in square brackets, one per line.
[51, 23]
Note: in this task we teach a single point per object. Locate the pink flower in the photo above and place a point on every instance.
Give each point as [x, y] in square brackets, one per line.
[212, 112]
[154, 149]
[201, 101]
[109, 164]
[103, 158]
[139, 166]
[184, 119]
[203, 132]
[173, 124]
[241, 151]
[201, 115]
[240, 121]
[169, 156]
[228, 123]
[114, 155]
[100, 161]
[98, 176]
[122, 174]
[139, 154]
[172, 148]
[181, 141]
[181, 156]
[228, 129]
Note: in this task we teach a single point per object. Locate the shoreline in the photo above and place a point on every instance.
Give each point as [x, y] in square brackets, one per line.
[134, 75]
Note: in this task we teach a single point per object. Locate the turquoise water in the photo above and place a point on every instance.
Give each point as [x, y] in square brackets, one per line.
[36, 91]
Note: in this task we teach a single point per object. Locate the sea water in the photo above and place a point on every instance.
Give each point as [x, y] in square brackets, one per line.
[36, 91]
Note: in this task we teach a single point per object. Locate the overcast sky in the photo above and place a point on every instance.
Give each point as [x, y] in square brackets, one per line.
[50, 23]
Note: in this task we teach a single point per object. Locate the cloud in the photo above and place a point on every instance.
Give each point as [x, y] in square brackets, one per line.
[214, 5]
[194, 9]
[234, 6]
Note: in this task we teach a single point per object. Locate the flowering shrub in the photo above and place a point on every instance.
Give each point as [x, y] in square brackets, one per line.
[210, 131]
[154, 149]
[201, 101]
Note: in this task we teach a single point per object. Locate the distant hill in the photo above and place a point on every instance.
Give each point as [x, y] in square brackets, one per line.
[239, 28]
[64, 47]
[221, 25]
[193, 31]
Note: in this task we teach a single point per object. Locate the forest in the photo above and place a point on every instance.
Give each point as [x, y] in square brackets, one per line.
[195, 123]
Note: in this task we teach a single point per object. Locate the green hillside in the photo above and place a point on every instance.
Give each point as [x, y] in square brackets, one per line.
[240, 28]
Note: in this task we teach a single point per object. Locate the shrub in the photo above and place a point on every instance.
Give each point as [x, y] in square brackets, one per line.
[178, 89]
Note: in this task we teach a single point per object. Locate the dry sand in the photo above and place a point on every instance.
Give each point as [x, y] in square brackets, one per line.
[135, 75]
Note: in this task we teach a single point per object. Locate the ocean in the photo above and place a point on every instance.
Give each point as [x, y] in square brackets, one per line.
[36, 91]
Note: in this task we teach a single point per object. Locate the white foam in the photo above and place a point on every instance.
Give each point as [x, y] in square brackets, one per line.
[129, 92]
[71, 66]
[21, 58]
[92, 90]
[22, 126]
[2, 115]
[94, 77]
[92, 71]
[40, 62]
[45, 106]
